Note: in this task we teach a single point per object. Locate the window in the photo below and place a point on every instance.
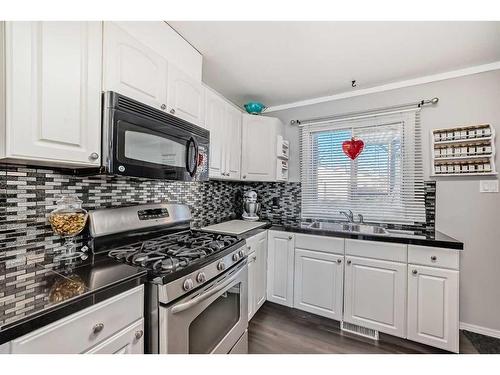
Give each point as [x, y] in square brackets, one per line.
[384, 183]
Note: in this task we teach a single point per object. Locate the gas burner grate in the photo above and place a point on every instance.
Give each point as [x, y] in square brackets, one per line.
[172, 252]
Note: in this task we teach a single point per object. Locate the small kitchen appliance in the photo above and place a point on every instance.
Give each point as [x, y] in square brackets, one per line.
[197, 289]
[250, 206]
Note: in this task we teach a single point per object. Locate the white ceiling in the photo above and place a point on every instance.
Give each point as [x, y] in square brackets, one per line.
[283, 62]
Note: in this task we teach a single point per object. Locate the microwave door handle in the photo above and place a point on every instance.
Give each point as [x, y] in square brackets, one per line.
[190, 142]
[204, 296]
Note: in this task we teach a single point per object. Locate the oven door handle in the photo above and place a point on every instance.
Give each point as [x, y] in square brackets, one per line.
[204, 296]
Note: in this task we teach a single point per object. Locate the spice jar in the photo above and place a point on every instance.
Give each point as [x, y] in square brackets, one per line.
[68, 220]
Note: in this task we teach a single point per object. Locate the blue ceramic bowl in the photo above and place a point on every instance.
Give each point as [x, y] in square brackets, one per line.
[254, 108]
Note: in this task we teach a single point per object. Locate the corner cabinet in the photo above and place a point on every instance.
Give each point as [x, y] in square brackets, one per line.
[223, 121]
[280, 267]
[53, 93]
[259, 143]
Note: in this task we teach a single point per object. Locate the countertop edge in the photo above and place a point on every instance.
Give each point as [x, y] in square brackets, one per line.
[43, 318]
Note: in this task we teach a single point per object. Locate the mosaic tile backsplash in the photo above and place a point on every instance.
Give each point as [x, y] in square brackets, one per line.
[28, 194]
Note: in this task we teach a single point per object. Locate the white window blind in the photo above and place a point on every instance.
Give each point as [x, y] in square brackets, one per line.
[384, 183]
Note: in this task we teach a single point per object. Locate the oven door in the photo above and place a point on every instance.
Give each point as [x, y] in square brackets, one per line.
[144, 147]
[211, 320]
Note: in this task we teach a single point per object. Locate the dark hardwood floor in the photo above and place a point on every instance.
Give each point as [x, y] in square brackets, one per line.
[277, 329]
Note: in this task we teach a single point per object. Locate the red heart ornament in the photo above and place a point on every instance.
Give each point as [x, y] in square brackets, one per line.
[353, 147]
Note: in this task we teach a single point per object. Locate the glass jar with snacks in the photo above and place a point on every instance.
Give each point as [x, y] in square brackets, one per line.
[68, 220]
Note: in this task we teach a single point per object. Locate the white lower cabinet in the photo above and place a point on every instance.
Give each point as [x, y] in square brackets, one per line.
[433, 317]
[375, 294]
[318, 283]
[280, 264]
[128, 341]
[113, 325]
[257, 272]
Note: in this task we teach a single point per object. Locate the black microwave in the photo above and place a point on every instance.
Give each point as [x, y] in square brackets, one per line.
[142, 141]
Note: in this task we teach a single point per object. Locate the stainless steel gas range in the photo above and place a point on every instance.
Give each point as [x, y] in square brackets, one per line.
[197, 292]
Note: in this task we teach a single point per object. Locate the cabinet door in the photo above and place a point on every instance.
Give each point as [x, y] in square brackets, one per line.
[233, 143]
[433, 306]
[280, 268]
[132, 69]
[252, 276]
[258, 157]
[261, 265]
[375, 294]
[128, 341]
[53, 91]
[318, 283]
[214, 122]
[185, 96]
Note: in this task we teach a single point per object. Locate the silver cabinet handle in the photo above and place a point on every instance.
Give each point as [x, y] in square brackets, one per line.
[172, 111]
[414, 272]
[94, 156]
[339, 261]
[290, 237]
[98, 328]
[434, 258]
[254, 258]
[138, 334]
[163, 106]
[348, 262]
[244, 176]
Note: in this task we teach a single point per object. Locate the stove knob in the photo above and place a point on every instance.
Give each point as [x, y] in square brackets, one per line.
[241, 253]
[221, 266]
[188, 284]
[236, 257]
[201, 277]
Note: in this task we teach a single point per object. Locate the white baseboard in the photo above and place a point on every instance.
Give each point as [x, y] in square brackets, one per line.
[481, 330]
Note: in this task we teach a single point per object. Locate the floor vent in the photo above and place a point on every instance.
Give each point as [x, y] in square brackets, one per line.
[358, 330]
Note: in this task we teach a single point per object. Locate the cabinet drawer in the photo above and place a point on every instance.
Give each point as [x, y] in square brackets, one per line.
[320, 243]
[433, 256]
[378, 250]
[128, 341]
[75, 333]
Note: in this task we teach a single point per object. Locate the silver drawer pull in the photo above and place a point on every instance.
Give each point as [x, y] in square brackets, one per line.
[414, 272]
[348, 262]
[138, 334]
[434, 258]
[98, 328]
[339, 261]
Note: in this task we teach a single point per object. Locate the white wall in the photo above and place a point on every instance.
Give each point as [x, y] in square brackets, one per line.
[461, 211]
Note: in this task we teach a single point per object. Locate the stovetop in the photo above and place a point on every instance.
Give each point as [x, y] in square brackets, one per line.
[170, 256]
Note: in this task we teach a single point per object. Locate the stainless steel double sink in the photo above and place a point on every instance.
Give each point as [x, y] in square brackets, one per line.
[346, 227]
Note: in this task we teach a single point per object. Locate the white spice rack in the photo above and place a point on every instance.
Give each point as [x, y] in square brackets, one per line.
[463, 151]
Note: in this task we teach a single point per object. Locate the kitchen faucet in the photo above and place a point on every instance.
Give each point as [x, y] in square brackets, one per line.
[349, 215]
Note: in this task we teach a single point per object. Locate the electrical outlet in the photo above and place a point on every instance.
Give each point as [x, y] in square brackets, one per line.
[488, 186]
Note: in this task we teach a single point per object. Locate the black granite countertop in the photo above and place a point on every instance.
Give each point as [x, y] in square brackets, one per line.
[61, 290]
[434, 239]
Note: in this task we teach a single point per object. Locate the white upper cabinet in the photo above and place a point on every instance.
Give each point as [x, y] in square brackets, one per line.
[433, 317]
[53, 93]
[259, 142]
[215, 112]
[132, 69]
[233, 143]
[223, 121]
[185, 96]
